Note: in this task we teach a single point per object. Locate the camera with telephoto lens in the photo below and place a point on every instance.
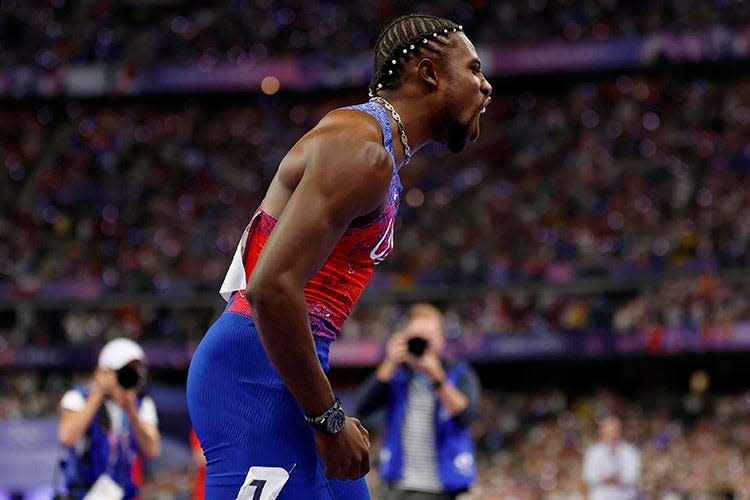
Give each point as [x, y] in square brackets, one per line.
[130, 377]
[417, 346]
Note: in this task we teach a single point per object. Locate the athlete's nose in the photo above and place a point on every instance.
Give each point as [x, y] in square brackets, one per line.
[486, 88]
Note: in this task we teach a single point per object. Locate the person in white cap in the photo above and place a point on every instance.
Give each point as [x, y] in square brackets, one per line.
[108, 427]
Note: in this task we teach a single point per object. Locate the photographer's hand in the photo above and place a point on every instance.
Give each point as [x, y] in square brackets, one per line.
[396, 352]
[126, 398]
[146, 435]
[430, 364]
[105, 380]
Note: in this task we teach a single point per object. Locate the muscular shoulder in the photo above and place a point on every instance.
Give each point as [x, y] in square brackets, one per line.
[352, 137]
[345, 155]
[351, 124]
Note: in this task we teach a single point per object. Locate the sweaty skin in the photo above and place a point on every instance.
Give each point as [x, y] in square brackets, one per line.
[337, 176]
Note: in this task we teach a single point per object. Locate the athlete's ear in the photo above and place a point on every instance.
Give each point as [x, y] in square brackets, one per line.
[428, 72]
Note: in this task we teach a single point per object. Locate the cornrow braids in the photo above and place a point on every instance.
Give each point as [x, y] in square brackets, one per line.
[403, 37]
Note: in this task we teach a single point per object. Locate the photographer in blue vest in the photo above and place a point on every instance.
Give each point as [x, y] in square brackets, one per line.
[109, 426]
[430, 402]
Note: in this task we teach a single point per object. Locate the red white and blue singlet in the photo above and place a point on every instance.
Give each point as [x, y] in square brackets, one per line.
[334, 290]
[241, 410]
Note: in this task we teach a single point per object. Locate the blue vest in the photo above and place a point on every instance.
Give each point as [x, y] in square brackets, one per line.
[83, 468]
[454, 448]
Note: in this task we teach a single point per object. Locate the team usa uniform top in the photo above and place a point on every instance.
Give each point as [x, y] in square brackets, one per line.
[332, 292]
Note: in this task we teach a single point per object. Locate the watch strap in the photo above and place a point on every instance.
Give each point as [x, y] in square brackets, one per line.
[320, 421]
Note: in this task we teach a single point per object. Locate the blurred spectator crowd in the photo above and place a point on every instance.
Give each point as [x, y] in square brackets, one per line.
[144, 33]
[639, 184]
[621, 178]
[695, 312]
[692, 446]
[30, 394]
[531, 444]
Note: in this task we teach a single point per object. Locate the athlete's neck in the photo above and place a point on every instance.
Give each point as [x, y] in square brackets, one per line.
[415, 119]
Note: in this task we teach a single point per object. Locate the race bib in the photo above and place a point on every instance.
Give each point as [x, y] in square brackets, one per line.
[263, 483]
[105, 489]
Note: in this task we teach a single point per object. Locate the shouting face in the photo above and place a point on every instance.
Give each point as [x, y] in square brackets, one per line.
[467, 94]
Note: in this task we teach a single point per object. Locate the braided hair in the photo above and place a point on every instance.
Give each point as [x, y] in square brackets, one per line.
[400, 40]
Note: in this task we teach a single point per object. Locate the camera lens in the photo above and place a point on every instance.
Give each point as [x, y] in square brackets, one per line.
[128, 377]
[416, 345]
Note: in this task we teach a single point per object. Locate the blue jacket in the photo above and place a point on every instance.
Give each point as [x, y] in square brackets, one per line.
[83, 467]
[454, 447]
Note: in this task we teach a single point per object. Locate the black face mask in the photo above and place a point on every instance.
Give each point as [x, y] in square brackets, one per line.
[129, 377]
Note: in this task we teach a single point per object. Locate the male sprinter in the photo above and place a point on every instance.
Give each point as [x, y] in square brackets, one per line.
[264, 411]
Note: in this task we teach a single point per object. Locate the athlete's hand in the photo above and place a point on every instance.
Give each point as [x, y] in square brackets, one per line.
[346, 454]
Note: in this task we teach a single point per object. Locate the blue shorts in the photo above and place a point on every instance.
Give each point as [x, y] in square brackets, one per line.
[245, 416]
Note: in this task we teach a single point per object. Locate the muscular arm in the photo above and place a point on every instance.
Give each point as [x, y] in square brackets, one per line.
[347, 173]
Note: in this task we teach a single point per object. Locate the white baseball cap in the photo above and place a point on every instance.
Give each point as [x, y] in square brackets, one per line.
[119, 352]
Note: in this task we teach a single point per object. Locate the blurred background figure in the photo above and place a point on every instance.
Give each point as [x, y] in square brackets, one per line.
[110, 426]
[611, 467]
[430, 403]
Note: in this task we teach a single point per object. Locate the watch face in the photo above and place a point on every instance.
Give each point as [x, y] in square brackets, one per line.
[335, 421]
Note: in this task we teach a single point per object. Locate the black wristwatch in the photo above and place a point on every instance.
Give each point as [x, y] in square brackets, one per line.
[331, 421]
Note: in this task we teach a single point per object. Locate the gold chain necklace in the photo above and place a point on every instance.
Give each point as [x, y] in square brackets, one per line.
[402, 132]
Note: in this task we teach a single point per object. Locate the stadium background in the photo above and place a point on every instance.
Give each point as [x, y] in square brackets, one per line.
[591, 251]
